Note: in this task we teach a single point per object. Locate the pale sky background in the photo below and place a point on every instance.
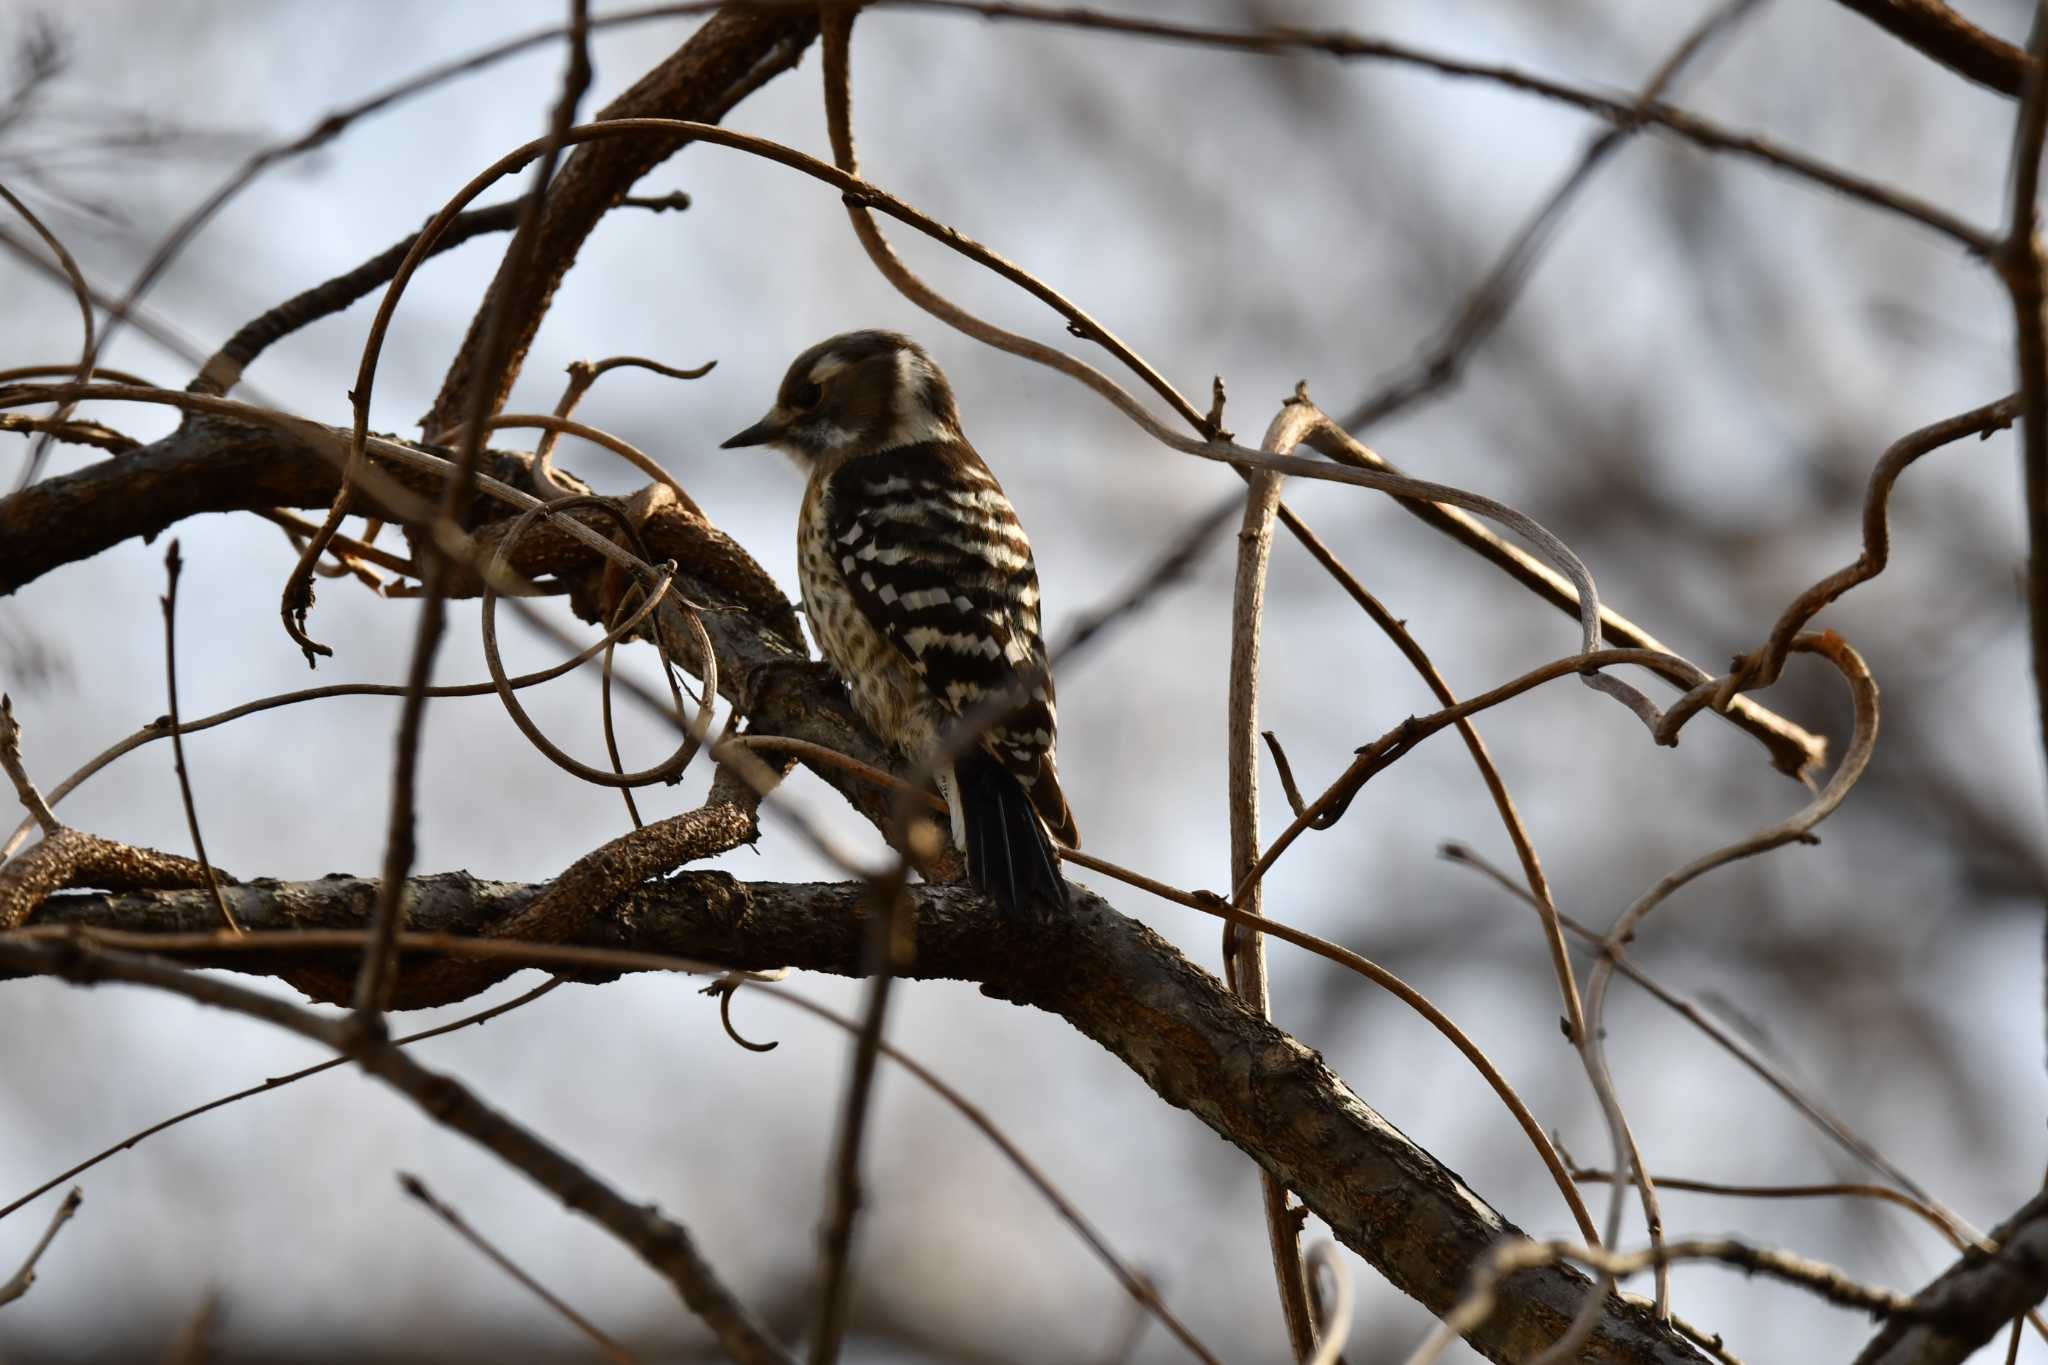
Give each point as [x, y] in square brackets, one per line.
[1705, 366]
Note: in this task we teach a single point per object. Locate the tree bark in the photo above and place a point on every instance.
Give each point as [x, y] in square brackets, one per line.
[1175, 1025]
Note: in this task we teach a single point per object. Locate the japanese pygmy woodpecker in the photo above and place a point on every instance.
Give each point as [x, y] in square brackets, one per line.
[920, 589]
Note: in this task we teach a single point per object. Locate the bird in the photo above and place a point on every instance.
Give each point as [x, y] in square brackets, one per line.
[920, 588]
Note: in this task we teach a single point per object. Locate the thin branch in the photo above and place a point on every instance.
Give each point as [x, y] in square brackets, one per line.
[1334, 1326]
[583, 374]
[1825, 1120]
[21, 372]
[1766, 664]
[1795, 828]
[158, 330]
[1928, 1213]
[1137, 1285]
[24, 786]
[330, 126]
[373, 984]
[80, 291]
[1795, 751]
[1966, 1305]
[2022, 265]
[74, 433]
[1512, 1258]
[693, 732]
[665, 1245]
[347, 552]
[844, 1189]
[173, 565]
[156, 730]
[223, 370]
[483, 1016]
[1933, 29]
[1373, 758]
[544, 474]
[1440, 363]
[194, 1345]
[417, 1189]
[18, 1283]
[1244, 956]
[1482, 758]
[1620, 111]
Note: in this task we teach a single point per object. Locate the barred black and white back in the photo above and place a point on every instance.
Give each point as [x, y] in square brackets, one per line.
[921, 590]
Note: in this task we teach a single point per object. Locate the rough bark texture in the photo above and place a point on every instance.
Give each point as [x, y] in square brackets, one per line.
[1110, 977]
[1974, 1299]
[730, 57]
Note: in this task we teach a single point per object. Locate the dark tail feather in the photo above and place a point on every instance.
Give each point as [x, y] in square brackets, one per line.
[1009, 854]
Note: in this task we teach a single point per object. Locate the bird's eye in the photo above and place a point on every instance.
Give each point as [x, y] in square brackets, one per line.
[805, 396]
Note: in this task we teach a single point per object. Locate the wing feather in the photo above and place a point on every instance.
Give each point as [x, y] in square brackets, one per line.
[932, 553]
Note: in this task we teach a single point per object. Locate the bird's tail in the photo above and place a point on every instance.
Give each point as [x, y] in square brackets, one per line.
[1009, 854]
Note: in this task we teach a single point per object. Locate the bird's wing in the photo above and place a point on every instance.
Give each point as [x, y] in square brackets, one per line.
[931, 551]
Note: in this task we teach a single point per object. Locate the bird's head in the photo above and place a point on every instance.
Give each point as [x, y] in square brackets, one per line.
[860, 393]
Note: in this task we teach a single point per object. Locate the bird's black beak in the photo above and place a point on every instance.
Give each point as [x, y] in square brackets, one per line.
[759, 434]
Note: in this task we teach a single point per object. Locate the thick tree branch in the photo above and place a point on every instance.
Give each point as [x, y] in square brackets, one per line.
[731, 56]
[1967, 1305]
[1114, 980]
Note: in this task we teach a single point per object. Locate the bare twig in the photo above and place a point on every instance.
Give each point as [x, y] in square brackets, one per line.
[1934, 29]
[1620, 111]
[1334, 1326]
[844, 1190]
[1826, 1281]
[155, 731]
[1795, 751]
[75, 433]
[16, 373]
[18, 1283]
[483, 1016]
[1967, 1304]
[1766, 664]
[24, 785]
[349, 554]
[1511, 818]
[1244, 957]
[80, 291]
[194, 1345]
[1797, 827]
[583, 374]
[662, 1243]
[693, 731]
[380, 962]
[173, 564]
[417, 1189]
[1440, 362]
[1933, 1216]
[1137, 1285]
[2024, 268]
[223, 370]
[163, 333]
[1825, 1120]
